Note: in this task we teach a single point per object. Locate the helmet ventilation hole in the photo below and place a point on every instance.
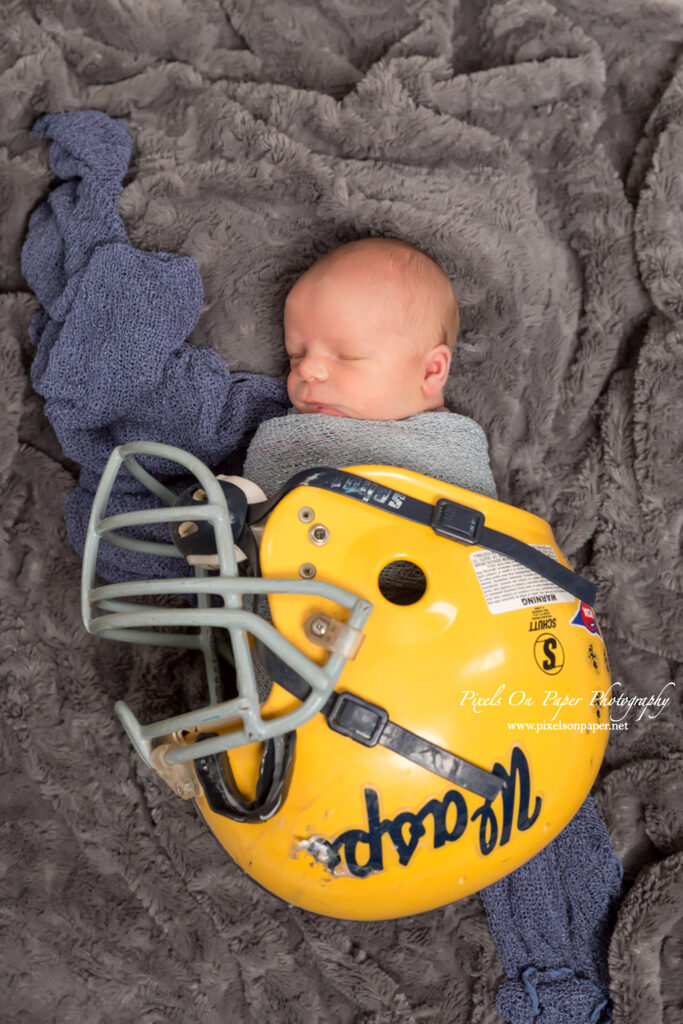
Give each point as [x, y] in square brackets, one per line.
[402, 582]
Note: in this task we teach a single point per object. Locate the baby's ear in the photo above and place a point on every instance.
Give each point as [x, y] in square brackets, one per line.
[436, 369]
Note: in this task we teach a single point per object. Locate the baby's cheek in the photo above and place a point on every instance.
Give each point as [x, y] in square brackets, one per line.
[291, 382]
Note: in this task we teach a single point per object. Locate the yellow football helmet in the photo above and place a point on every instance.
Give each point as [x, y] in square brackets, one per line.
[435, 716]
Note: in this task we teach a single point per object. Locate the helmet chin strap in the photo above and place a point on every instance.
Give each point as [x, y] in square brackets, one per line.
[369, 724]
[347, 714]
[448, 519]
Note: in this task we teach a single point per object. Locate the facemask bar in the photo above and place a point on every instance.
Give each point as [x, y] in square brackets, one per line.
[123, 619]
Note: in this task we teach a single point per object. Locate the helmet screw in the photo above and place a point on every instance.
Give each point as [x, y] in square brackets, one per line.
[319, 534]
[319, 626]
[199, 494]
[306, 514]
[307, 571]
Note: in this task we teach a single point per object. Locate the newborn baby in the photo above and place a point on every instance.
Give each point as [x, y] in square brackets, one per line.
[369, 331]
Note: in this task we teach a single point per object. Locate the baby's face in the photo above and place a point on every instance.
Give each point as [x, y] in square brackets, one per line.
[350, 354]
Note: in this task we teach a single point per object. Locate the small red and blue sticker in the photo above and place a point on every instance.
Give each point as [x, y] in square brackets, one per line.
[585, 617]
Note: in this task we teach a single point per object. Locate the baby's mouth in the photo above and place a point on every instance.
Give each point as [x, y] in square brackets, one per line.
[326, 410]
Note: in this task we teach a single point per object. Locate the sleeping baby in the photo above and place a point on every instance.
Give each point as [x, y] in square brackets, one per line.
[369, 331]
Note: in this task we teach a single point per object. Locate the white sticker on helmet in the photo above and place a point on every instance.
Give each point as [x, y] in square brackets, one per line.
[508, 586]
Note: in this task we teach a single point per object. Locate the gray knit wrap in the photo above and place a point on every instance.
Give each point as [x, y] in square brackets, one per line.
[442, 445]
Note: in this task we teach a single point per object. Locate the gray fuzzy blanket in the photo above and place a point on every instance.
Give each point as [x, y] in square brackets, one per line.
[535, 150]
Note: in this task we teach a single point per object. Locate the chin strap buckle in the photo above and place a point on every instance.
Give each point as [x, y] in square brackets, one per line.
[357, 718]
[457, 522]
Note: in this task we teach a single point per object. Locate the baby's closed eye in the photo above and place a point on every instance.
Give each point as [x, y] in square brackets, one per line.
[295, 358]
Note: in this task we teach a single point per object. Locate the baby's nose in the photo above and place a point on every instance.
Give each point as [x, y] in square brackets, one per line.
[311, 368]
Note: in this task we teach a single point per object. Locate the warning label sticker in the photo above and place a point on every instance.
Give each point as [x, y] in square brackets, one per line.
[507, 585]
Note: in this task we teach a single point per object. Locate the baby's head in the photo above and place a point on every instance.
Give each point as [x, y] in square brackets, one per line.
[369, 331]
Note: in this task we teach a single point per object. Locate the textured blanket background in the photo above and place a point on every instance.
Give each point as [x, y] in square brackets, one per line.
[536, 150]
